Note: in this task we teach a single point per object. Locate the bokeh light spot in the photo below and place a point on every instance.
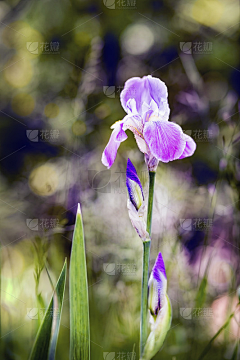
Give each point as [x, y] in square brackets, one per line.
[79, 128]
[207, 12]
[51, 110]
[23, 104]
[18, 71]
[103, 111]
[137, 39]
[20, 35]
[82, 38]
[43, 180]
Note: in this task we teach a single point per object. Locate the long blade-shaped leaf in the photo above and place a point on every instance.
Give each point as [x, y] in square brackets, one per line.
[46, 340]
[78, 288]
[235, 352]
[208, 347]
[201, 294]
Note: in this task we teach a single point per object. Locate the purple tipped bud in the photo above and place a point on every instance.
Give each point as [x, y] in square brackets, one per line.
[136, 206]
[134, 186]
[157, 286]
[160, 309]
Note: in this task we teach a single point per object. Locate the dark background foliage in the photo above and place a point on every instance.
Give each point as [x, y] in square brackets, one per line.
[63, 66]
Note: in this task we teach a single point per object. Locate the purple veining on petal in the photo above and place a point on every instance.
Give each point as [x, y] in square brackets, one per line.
[132, 180]
[134, 89]
[110, 151]
[158, 90]
[132, 173]
[164, 140]
[144, 90]
[159, 267]
[145, 101]
[189, 148]
[131, 107]
[148, 110]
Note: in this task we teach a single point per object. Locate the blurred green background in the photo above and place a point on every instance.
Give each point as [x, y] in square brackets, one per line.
[63, 66]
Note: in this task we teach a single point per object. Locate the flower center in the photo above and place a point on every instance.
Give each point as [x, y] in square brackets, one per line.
[152, 118]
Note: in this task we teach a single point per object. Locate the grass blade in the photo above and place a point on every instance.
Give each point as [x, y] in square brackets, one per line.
[235, 352]
[78, 288]
[208, 347]
[46, 340]
[201, 294]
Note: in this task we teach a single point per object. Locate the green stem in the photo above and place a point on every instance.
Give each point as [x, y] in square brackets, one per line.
[146, 256]
[150, 201]
[144, 300]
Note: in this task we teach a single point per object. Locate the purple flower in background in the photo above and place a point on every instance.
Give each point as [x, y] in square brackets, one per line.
[135, 204]
[145, 102]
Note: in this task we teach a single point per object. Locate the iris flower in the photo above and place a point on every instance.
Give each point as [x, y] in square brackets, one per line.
[145, 100]
[160, 309]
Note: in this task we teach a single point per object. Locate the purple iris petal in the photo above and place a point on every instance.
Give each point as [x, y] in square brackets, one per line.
[144, 90]
[141, 143]
[158, 90]
[189, 148]
[131, 107]
[134, 89]
[134, 185]
[110, 151]
[164, 139]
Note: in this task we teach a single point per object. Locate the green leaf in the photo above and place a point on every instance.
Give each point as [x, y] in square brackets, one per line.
[46, 340]
[235, 352]
[78, 296]
[201, 294]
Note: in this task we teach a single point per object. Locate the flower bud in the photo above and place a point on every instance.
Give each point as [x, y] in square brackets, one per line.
[136, 205]
[152, 162]
[160, 309]
[157, 286]
[134, 186]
